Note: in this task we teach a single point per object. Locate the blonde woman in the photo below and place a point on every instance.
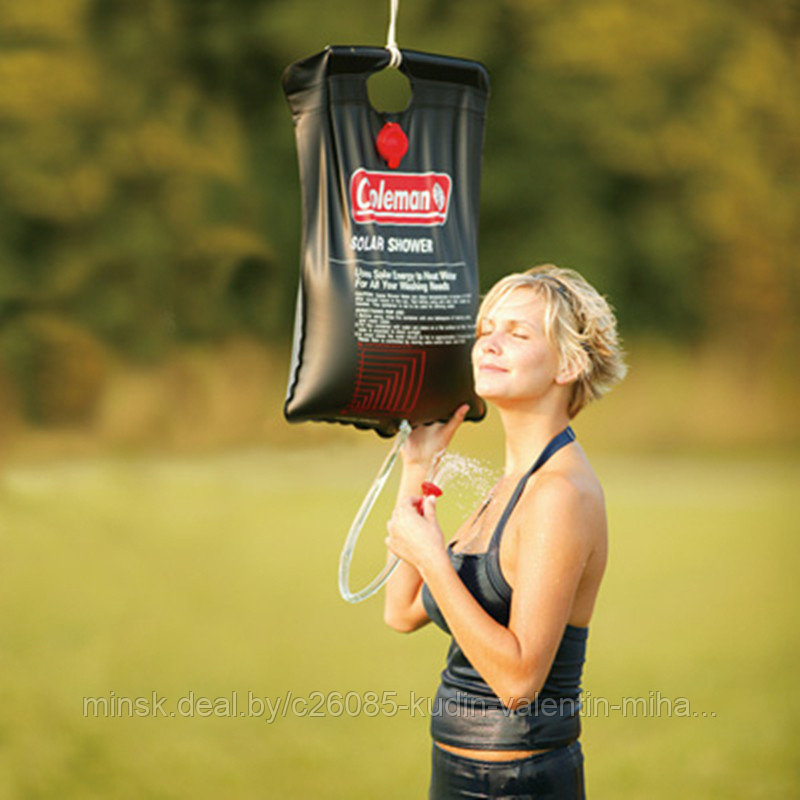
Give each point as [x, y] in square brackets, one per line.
[517, 585]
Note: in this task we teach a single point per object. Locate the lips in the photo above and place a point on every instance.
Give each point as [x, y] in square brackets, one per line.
[490, 368]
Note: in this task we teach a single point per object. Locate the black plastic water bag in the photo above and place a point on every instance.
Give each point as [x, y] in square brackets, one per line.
[389, 277]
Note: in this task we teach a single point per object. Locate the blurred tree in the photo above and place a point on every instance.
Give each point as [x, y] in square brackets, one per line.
[688, 116]
[58, 367]
[124, 192]
[149, 180]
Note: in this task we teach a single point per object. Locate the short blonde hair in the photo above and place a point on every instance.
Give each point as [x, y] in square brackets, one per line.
[578, 321]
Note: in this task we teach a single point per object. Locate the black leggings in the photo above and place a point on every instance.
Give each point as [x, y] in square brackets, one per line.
[554, 775]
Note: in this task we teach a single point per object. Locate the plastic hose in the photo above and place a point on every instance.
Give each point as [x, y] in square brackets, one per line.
[358, 524]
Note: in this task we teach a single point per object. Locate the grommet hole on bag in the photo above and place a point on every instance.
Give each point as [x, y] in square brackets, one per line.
[389, 91]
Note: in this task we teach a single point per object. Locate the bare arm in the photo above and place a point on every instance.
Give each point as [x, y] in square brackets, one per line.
[403, 609]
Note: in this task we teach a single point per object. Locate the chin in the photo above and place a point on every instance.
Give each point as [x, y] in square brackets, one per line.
[489, 393]
[505, 396]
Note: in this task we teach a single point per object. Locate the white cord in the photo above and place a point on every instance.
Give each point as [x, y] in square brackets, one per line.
[391, 40]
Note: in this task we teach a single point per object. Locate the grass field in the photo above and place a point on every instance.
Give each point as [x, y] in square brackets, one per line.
[217, 576]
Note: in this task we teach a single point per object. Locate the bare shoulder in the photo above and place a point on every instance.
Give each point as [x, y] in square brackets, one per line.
[566, 499]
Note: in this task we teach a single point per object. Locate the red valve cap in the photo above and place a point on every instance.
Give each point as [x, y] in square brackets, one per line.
[392, 144]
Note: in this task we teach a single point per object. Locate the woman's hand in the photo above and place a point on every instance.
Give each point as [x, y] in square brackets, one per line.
[414, 537]
[425, 441]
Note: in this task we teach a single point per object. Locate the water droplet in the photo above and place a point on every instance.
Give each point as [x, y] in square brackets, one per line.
[472, 478]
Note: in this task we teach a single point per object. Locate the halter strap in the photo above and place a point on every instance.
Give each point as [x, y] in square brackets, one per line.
[553, 446]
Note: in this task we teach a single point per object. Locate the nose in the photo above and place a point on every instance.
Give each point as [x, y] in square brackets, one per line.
[489, 343]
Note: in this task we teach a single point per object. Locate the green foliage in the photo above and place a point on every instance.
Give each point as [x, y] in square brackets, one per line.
[149, 180]
[126, 206]
[60, 369]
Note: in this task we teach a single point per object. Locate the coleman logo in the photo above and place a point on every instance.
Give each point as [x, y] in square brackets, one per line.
[400, 198]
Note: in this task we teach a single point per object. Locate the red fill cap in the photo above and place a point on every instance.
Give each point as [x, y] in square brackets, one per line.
[392, 144]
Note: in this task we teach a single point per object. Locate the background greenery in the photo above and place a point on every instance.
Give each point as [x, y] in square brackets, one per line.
[161, 527]
[150, 196]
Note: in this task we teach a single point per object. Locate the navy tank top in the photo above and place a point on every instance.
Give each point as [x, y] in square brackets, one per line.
[466, 712]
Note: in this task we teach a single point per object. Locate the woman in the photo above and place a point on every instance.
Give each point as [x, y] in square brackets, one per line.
[517, 585]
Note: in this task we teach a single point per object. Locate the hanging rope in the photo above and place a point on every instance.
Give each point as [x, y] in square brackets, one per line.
[391, 37]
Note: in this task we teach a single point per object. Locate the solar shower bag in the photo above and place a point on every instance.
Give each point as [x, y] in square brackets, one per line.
[389, 281]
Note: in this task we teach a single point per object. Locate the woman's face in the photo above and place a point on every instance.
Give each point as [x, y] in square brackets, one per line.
[512, 360]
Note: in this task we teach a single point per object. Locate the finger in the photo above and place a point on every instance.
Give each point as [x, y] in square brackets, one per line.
[429, 508]
[457, 418]
[460, 413]
[415, 503]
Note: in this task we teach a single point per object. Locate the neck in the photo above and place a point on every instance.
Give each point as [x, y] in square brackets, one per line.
[527, 434]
